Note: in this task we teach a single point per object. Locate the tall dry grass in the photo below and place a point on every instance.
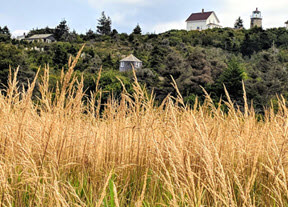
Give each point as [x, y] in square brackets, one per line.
[61, 151]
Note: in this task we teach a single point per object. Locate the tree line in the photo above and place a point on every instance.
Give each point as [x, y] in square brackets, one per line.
[195, 59]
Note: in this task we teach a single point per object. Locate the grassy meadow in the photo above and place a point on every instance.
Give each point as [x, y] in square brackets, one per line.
[65, 149]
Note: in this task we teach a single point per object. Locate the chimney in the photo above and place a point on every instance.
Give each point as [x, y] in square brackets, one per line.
[256, 8]
[202, 10]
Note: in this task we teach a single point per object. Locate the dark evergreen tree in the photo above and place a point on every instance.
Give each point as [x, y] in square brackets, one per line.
[267, 77]
[199, 72]
[256, 39]
[137, 30]
[114, 32]
[239, 24]
[62, 31]
[6, 31]
[90, 35]
[232, 78]
[60, 56]
[45, 30]
[12, 56]
[72, 37]
[156, 57]
[104, 25]
[5, 34]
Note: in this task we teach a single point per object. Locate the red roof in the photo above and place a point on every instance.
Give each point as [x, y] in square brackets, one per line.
[199, 16]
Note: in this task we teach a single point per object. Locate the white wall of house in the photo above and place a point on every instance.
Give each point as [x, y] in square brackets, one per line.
[196, 25]
[203, 24]
[126, 65]
[212, 19]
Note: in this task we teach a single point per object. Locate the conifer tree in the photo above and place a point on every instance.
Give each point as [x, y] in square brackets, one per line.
[137, 30]
[232, 78]
[6, 31]
[61, 31]
[156, 57]
[90, 34]
[5, 34]
[239, 24]
[104, 25]
[114, 32]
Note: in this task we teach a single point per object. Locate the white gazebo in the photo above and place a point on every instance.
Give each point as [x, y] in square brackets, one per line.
[127, 63]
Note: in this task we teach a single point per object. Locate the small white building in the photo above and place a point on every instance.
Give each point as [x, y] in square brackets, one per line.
[130, 62]
[203, 20]
[21, 37]
[48, 38]
[286, 23]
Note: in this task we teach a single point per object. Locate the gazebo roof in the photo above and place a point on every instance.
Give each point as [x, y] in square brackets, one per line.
[130, 58]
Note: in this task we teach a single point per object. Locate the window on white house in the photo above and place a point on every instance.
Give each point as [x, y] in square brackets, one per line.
[121, 64]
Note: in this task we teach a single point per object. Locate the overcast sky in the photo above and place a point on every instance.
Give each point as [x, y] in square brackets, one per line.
[152, 15]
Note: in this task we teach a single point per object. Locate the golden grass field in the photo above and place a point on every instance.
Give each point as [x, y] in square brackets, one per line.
[59, 150]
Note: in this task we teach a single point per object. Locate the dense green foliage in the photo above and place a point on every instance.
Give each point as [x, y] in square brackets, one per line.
[207, 58]
[4, 34]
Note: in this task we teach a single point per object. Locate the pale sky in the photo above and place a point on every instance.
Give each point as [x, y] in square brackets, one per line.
[152, 15]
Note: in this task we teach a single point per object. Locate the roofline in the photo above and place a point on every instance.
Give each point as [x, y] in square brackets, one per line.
[204, 19]
[44, 34]
[198, 13]
[48, 35]
[136, 59]
[215, 16]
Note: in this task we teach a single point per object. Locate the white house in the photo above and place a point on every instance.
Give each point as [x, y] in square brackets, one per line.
[202, 21]
[21, 37]
[48, 38]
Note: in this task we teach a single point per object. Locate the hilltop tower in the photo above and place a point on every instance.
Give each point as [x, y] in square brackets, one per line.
[256, 19]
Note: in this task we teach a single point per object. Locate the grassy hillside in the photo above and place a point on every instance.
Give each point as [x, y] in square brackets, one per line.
[60, 151]
[208, 58]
